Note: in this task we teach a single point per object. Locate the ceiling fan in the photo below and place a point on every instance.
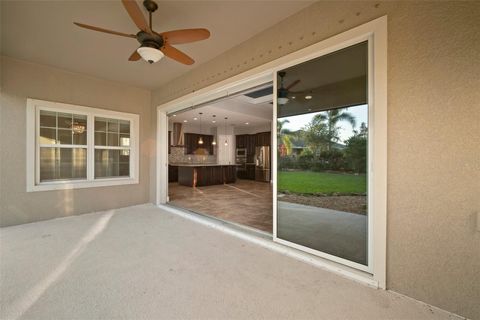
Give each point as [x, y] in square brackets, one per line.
[282, 92]
[153, 45]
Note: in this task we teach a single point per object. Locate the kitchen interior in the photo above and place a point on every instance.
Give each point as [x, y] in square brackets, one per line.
[219, 158]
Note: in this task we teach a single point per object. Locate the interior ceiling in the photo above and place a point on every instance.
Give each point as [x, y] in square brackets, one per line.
[237, 109]
[43, 32]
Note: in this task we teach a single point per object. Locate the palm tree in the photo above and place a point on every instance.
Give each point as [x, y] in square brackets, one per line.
[280, 128]
[284, 135]
[332, 117]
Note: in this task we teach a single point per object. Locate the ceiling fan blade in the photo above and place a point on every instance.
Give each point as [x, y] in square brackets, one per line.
[135, 56]
[86, 26]
[185, 35]
[136, 14]
[293, 84]
[176, 54]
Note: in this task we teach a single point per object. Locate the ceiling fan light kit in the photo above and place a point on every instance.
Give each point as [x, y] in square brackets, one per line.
[149, 54]
[282, 100]
[154, 46]
[282, 92]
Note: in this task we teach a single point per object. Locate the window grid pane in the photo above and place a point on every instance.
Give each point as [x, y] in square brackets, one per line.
[62, 128]
[112, 132]
[112, 163]
[63, 163]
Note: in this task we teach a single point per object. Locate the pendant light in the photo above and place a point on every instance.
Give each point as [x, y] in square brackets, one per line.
[214, 142]
[226, 140]
[200, 140]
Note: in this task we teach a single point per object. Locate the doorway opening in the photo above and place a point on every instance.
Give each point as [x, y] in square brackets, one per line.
[341, 77]
[219, 158]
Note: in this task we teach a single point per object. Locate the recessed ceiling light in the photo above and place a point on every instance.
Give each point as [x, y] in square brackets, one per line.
[174, 115]
[308, 97]
[293, 97]
[309, 109]
[247, 123]
[185, 120]
[213, 121]
[195, 118]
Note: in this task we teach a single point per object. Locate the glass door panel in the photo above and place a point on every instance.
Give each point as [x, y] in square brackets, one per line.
[322, 149]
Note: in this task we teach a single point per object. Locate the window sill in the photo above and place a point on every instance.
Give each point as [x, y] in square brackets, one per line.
[67, 185]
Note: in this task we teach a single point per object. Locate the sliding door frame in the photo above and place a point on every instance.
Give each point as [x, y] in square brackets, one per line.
[375, 32]
[370, 158]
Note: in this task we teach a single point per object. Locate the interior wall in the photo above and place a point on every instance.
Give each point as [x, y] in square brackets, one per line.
[22, 80]
[433, 132]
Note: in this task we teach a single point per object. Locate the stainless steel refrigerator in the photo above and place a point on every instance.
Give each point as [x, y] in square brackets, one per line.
[262, 163]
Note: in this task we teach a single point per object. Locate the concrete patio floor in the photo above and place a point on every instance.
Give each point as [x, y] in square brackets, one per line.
[342, 234]
[144, 263]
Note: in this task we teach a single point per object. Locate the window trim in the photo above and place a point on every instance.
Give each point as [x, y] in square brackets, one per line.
[33, 148]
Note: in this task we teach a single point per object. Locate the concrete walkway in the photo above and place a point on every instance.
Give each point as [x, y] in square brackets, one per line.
[144, 263]
[342, 234]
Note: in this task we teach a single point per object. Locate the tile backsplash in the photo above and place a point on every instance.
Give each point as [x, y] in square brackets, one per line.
[177, 155]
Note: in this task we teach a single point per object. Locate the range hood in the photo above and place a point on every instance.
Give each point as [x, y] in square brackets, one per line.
[177, 134]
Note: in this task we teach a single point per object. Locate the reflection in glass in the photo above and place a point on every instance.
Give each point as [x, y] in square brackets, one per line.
[124, 140]
[100, 138]
[124, 126]
[62, 128]
[100, 125]
[322, 154]
[63, 163]
[64, 120]
[65, 136]
[112, 163]
[112, 139]
[80, 138]
[48, 119]
[112, 132]
[48, 136]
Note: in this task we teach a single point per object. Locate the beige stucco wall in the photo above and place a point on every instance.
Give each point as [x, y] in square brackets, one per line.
[433, 133]
[22, 80]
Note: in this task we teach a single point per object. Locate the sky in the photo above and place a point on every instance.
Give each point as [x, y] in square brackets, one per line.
[346, 130]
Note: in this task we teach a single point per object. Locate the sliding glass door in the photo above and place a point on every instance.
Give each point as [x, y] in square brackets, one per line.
[322, 156]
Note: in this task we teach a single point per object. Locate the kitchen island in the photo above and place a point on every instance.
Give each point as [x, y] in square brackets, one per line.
[199, 175]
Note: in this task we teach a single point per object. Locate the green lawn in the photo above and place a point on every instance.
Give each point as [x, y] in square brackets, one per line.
[308, 182]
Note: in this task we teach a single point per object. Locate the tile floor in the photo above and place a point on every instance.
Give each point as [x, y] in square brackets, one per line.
[245, 202]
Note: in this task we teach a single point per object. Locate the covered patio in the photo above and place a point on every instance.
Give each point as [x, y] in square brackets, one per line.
[143, 262]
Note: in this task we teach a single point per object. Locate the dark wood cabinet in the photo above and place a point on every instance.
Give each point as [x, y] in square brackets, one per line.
[191, 143]
[172, 173]
[242, 174]
[263, 139]
[240, 141]
[250, 148]
[250, 172]
[198, 176]
[248, 142]
[230, 174]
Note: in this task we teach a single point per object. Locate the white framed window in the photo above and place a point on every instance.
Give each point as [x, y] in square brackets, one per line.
[70, 146]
